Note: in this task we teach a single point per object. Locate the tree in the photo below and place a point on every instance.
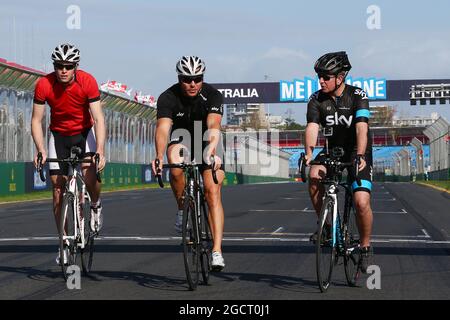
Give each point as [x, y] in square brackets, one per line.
[292, 125]
[381, 116]
[253, 122]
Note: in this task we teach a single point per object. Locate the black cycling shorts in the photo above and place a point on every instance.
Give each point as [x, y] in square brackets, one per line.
[59, 147]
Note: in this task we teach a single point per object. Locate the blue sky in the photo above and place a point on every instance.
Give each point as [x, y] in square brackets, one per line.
[139, 42]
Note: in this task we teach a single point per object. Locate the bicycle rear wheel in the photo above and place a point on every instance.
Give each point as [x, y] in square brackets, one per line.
[191, 246]
[351, 245]
[325, 252]
[67, 228]
[206, 243]
[87, 253]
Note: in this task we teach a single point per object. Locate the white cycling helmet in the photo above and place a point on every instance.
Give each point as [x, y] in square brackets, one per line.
[66, 52]
[190, 66]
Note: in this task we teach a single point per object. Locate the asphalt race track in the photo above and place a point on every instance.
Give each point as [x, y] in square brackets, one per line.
[266, 248]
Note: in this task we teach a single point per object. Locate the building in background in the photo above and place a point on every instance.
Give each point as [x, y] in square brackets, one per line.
[416, 121]
[251, 115]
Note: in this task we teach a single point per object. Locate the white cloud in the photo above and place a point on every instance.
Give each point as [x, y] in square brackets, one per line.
[412, 57]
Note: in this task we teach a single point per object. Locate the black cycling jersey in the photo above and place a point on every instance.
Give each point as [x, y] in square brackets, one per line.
[342, 115]
[184, 111]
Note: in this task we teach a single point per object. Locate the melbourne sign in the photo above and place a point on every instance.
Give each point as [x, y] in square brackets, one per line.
[301, 90]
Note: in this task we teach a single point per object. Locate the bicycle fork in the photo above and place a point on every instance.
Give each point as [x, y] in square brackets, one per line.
[73, 189]
[332, 193]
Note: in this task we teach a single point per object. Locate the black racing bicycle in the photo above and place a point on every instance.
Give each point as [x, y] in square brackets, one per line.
[196, 232]
[75, 238]
[337, 232]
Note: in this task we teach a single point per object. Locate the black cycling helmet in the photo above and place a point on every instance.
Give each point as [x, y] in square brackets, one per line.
[333, 63]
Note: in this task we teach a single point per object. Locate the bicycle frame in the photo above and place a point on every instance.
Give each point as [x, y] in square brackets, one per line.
[73, 185]
[332, 192]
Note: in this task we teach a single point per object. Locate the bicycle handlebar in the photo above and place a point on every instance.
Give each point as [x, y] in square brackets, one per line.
[182, 166]
[72, 160]
[329, 162]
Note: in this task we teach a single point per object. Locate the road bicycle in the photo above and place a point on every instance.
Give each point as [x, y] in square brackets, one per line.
[75, 237]
[337, 232]
[196, 233]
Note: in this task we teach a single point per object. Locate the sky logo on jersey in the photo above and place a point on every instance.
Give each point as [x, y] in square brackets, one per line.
[300, 90]
[338, 120]
[374, 88]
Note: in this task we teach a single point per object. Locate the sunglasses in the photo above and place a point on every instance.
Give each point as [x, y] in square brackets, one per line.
[61, 66]
[190, 79]
[326, 77]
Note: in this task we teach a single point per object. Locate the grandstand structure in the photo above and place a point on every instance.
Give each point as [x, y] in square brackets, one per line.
[130, 125]
[381, 136]
[400, 153]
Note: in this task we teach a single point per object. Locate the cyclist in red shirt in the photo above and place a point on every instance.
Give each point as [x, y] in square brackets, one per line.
[74, 101]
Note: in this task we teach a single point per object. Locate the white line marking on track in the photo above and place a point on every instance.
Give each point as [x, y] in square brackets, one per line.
[389, 239]
[275, 210]
[310, 210]
[278, 230]
[391, 212]
[426, 233]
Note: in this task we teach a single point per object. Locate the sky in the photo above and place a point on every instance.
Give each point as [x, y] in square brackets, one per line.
[138, 42]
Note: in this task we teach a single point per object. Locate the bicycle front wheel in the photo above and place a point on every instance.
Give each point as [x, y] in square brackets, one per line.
[351, 244]
[206, 243]
[191, 245]
[67, 246]
[87, 253]
[325, 251]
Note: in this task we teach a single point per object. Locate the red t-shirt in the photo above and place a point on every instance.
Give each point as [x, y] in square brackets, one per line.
[69, 105]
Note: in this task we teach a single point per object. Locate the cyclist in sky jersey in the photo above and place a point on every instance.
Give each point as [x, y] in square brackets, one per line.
[344, 109]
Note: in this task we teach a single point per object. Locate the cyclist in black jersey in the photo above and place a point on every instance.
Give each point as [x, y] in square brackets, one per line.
[345, 109]
[190, 112]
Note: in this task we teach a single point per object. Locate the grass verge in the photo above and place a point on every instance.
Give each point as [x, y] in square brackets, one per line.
[444, 184]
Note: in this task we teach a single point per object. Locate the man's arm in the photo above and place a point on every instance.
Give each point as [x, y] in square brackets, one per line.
[311, 134]
[36, 130]
[213, 122]
[163, 126]
[100, 130]
[162, 132]
[361, 137]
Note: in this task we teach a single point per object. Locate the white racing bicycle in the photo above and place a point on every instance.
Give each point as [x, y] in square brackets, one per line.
[75, 237]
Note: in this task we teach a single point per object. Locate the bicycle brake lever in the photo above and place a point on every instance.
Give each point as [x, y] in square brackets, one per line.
[97, 172]
[358, 180]
[40, 168]
[213, 164]
[158, 173]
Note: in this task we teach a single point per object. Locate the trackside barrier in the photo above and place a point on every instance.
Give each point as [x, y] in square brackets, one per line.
[20, 178]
